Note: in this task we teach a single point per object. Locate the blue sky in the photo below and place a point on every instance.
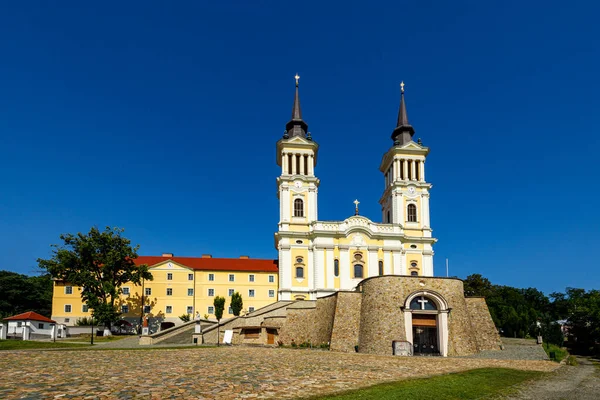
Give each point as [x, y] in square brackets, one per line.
[162, 119]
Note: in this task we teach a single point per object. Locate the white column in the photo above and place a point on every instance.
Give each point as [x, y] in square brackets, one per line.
[294, 172]
[285, 204]
[422, 164]
[442, 322]
[302, 172]
[345, 270]
[399, 209]
[425, 207]
[320, 268]
[427, 268]
[398, 267]
[330, 274]
[311, 165]
[373, 263]
[3, 329]
[313, 271]
[284, 164]
[26, 330]
[405, 169]
[387, 261]
[413, 170]
[408, 326]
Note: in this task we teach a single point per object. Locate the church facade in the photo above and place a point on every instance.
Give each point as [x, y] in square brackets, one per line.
[318, 258]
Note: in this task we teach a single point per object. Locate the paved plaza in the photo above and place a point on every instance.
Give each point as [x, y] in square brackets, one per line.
[214, 373]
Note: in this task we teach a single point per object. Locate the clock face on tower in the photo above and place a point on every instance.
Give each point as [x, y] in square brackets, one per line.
[298, 184]
[411, 190]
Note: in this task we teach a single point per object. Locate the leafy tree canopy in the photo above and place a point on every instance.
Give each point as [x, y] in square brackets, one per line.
[99, 262]
[22, 293]
[219, 304]
[236, 303]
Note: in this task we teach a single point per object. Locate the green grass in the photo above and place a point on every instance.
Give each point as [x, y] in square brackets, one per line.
[97, 339]
[26, 344]
[474, 384]
[560, 352]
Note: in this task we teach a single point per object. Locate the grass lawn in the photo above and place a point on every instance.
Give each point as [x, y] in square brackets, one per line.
[27, 344]
[97, 339]
[559, 352]
[474, 384]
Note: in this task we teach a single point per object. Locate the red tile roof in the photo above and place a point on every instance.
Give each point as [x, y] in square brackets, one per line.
[29, 316]
[214, 264]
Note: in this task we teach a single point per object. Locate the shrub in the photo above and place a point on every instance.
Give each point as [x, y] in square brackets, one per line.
[85, 321]
[185, 317]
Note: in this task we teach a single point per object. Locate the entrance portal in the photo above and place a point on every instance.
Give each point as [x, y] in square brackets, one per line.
[425, 335]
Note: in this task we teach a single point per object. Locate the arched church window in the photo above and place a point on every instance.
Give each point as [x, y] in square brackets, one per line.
[358, 271]
[412, 213]
[336, 267]
[414, 273]
[380, 268]
[422, 303]
[299, 272]
[298, 208]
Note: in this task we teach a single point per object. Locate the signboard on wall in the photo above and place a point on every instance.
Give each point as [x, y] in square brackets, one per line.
[228, 336]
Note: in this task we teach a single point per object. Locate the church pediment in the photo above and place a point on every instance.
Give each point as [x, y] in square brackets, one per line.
[412, 146]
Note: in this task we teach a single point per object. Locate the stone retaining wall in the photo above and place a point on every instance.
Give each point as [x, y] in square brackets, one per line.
[346, 323]
[486, 334]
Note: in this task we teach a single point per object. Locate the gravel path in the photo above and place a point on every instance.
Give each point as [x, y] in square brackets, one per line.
[581, 382]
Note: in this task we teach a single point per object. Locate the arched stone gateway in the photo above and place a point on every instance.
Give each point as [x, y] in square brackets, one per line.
[426, 323]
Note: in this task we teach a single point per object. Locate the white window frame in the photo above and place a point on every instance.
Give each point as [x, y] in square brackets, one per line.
[251, 293]
[230, 310]
[250, 309]
[209, 291]
[168, 309]
[70, 308]
[147, 309]
[169, 291]
[211, 309]
[231, 278]
[126, 290]
[189, 309]
[271, 293]
[169, 276]
[271, 278]
[148, 291]
[211, 277]
[251, 278]
[192, 293]
[85, 308]
[68, 289]
[124, 309]
[230, 292]
[190, 277]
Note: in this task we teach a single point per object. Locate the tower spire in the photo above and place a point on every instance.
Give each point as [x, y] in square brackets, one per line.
[296, 126]
[404, 130]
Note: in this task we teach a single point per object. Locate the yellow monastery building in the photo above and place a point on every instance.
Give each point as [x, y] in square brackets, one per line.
[316, 258]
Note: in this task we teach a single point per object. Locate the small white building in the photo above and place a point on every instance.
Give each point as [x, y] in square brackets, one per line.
[30, 325]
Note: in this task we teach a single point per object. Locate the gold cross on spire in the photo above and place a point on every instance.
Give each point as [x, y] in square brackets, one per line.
[297, 78]
[356, 203]
[402, 86]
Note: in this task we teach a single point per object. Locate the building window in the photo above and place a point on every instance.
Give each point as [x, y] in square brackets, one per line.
[147, 309]
[380, 268]
[67, 308]
[211, 310]
[289, 164]
[271, 293]
[211, 277]
[84, 308]
[189, 310]
[169, 292]
[169, 276]
[298, 208]
[299, 272]
[271, 279]
[422, 303]
[230, 310]
[211, 292]
[19, 324]
[250, 278]
[336, 267]
[250, 309]
[67, 320]
[124, 309]
[412, 213]
[414, 264]
[230, 292]
[250, 292]
[414, 273]
[126, 291]
[298, 164]
[231, 278]
[190, 292]
[148, 291]
[389, 219]
[190, 277]
[169, 309]
[358, 271]
[40, 326]
[68, 289]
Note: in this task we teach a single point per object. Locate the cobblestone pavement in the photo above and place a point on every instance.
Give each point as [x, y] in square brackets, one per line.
[515, 349]
[581, 382]
[214, 373]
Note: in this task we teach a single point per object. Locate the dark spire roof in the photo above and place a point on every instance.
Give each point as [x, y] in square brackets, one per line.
[296, 126]
[404, 130]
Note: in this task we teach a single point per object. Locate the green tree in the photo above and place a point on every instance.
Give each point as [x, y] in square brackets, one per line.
[236, 303]
[477, 285]
[219, 304]
[99, 263]
[22, 293]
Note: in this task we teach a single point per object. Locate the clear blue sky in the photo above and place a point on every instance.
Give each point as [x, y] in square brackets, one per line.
[162, 119]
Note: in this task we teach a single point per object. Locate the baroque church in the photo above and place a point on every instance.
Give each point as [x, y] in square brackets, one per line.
[318, 258]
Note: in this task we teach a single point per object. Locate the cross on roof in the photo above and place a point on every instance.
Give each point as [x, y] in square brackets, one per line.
[402, 86]
[356, 203]
[297, 78]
